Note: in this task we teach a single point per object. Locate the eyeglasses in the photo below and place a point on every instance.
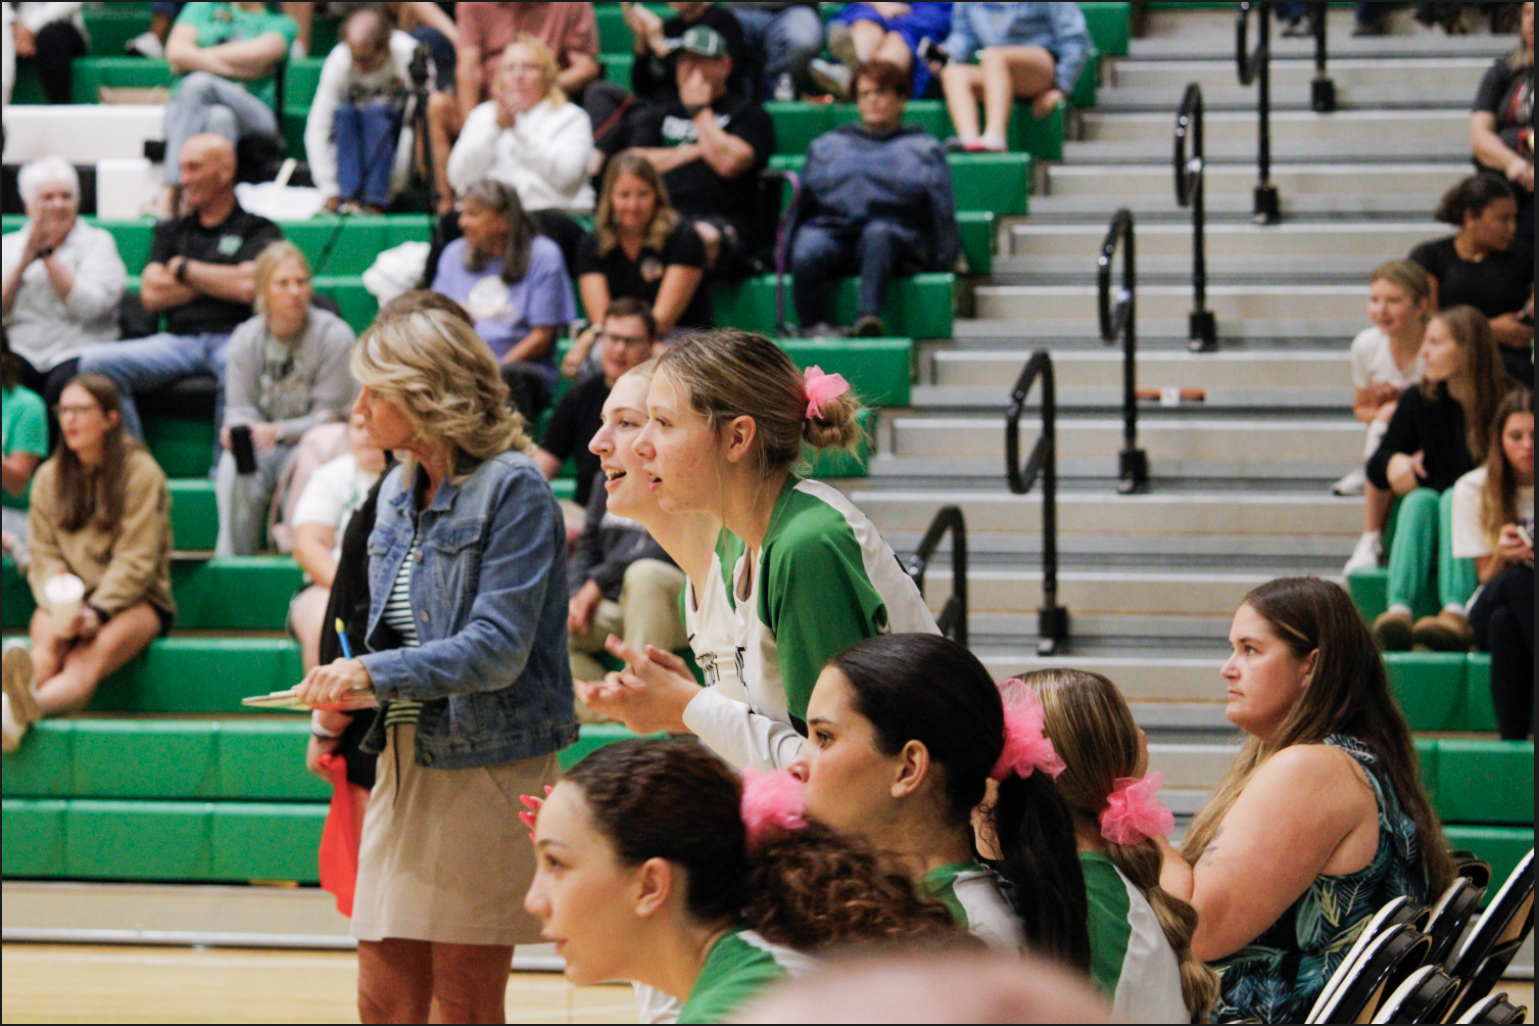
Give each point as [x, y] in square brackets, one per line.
[873, 92]
[628, 341]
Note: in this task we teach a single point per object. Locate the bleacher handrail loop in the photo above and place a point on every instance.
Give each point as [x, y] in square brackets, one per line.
[952, 620]
[1255, 67]
[1052, 619]
[1191, 191]
[1120, 323]
[1322, 91]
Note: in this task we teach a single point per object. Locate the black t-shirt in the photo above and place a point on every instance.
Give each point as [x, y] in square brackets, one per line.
[576, 419]
[235, 241]
[1509, 96]
[642, 278]
[657, 80]
[1499, 284]
[697, 191]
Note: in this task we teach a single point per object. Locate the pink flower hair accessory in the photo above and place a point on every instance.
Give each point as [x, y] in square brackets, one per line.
[772, 800]
[1134, 812]
[822, 388]
[1027, 746]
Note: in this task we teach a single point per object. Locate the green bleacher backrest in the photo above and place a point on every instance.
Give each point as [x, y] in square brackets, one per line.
[978, 236]
[798, 123]
[1486, 782]
[300, 80]
[200, 675]
[1111, 26]
[999, 183]
[92, 73]
[1430, 687]
[919, 307]
[111, 26]
[183, 447]
[878, 370]
[1502, 846]
[1479, 711]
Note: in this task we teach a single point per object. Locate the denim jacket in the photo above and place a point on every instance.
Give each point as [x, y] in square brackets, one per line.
[489, 598]
[1059, 28]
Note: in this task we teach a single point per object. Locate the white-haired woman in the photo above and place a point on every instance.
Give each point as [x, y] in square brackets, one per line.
[466, 657]
[63, 280]
[287, 372]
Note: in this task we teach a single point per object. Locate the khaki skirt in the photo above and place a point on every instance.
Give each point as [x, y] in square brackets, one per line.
[443, 856]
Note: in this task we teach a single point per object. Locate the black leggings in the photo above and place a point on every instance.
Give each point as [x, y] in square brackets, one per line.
[58, 43]
[1503, 621]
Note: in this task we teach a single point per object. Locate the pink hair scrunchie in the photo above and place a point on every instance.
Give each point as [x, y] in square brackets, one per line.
[822, 388]
[1134, 812]
[1027, 746]
[772, 799]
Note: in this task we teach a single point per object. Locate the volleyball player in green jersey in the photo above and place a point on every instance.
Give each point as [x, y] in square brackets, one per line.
[658, 864]
[1140, 936]
[905, 734]
[807, 573]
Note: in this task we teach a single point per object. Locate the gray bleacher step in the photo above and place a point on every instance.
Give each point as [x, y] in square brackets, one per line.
[1080, 334]
[1118, 184]
[1104, 398]
[1208, 35]
[1152, 681]
[1191, 766]
[1229, 303]
[1106, 591]
[1209, 551]
[1360, 82]
[1110, 634]
[1177, 270]
[1092, 472]
[1285, 373]
[1443, 131]
[1388, 149]
[1235, 208]
[1225, 242]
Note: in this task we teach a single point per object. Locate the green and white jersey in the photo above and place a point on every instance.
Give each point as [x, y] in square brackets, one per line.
[822, 580]
[973, 893]
[740, 966]
[1130, 958]
[711, 625]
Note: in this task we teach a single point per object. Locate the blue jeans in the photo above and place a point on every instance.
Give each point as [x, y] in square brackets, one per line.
[443, 55]
[1291, 11]
[820, 255]
[789, 39]
[147, 364]
[208, 103]
[366, 142]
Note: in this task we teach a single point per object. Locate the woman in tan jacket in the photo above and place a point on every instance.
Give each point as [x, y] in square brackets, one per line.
[100, 511]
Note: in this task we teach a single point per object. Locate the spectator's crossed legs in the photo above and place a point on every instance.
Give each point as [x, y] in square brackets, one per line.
[147, 364]
[207, 103]
[789, 39]
[1002, 75]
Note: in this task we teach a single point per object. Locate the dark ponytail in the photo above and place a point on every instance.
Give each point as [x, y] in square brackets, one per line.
[1471, 197]
[806, 889]
[922, 687]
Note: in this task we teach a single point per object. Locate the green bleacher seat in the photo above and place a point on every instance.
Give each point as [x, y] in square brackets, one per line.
[184, 448]
[978, 236]
[1485, 782]
[117, 72]
[999, 183]
[1430, 688]
[200, 675]
[111, 26]
[798, 123]
[1501, 846]
[1111, 26]
[919, 307]
[1479, 711]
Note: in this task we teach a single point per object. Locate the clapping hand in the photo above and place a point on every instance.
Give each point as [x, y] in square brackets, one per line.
[648, 696]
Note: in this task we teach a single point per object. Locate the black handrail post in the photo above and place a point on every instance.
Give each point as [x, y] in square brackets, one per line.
[1257, 67]
[1122, 323]
[953, 619]
[1191, 190]
[1052, 619]
[1322, 97]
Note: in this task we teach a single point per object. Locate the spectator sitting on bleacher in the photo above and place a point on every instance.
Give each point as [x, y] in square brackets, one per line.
[1492, 508]
[1024, 51]
[7, 53]
[1482, 267]
[784, 37]
[514, 283]
[356, 138]
[531, 137]
[432, 25]
[333, 494]
[896, 34]
[1386, 360]
[23, 447]
[152, 44]
[1439, 433]
[710, 145]
[1502, 125]
[627, 339]
[100, 511]
[654, 73]
[568, 30]
[63, 280]
[876, 199]
[230, 54]
[287, 372]
[51, 34]
[199, 274]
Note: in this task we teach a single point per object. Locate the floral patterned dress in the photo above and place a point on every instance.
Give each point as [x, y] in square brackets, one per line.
[1279, 975]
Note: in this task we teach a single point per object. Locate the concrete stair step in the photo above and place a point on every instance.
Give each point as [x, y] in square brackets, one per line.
[1212, 551]
[1171, 332]
[1177, 270]
[1335, 241]
[1103, 591]
[1363, 128]
[1122, 183]
[1208, 35]
[1229, 303]
[1378, 145]
[1236, 208]
[1101, 471]
[1283, 373]
[1104, 398]
[1360, 82]
[1173, 693]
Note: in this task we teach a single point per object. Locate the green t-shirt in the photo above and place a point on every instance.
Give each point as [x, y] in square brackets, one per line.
[1131, 960]
[739, 967]
[219, 23]
[972, 892]
[25, 430]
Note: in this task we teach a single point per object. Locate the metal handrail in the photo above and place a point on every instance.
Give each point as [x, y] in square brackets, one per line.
[1255, 66]
[1052, 619]
[1191, 191]
[1322, 91]
[1120, 323]
[952, 620]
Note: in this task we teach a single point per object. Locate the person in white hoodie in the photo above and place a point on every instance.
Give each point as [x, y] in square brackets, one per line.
[50, 35]
[358, 135]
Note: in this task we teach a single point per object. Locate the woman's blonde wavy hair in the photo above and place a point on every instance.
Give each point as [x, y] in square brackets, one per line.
[441, 374]
[664, 222]
[1093, 730]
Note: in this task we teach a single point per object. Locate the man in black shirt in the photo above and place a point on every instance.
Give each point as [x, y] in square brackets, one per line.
[199, 275]
[710, 146]
[654, 74]
[627, 340]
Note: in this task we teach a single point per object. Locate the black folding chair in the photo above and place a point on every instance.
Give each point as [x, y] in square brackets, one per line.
[1451, 916]
[1426, 996]
[1484, 957]
[1384, 965]
[1399, 911]
[1495, 1009]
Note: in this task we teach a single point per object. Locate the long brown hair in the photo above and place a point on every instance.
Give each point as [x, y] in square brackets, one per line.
[1348, 694]
[663, 222]
[516, 253]
[1485, 381]
[807, 889]
[1093, 730]
[95, 497]
[1499, 497]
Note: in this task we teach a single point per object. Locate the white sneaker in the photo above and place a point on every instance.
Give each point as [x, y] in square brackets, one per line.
[16, 675]
[146, 44]
[1368, 554]
[11, 732]
[831, 77]
[841, 43]
[1353, 484]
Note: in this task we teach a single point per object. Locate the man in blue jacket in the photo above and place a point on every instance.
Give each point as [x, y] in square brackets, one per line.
[877, 200]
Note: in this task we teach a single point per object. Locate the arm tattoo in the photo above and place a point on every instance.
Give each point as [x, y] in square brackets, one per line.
[1212, 848]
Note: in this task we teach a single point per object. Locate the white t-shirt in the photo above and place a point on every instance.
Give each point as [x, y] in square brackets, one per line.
[1373, 362]
[710, 626]
[334, 493]
[1469, 536]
